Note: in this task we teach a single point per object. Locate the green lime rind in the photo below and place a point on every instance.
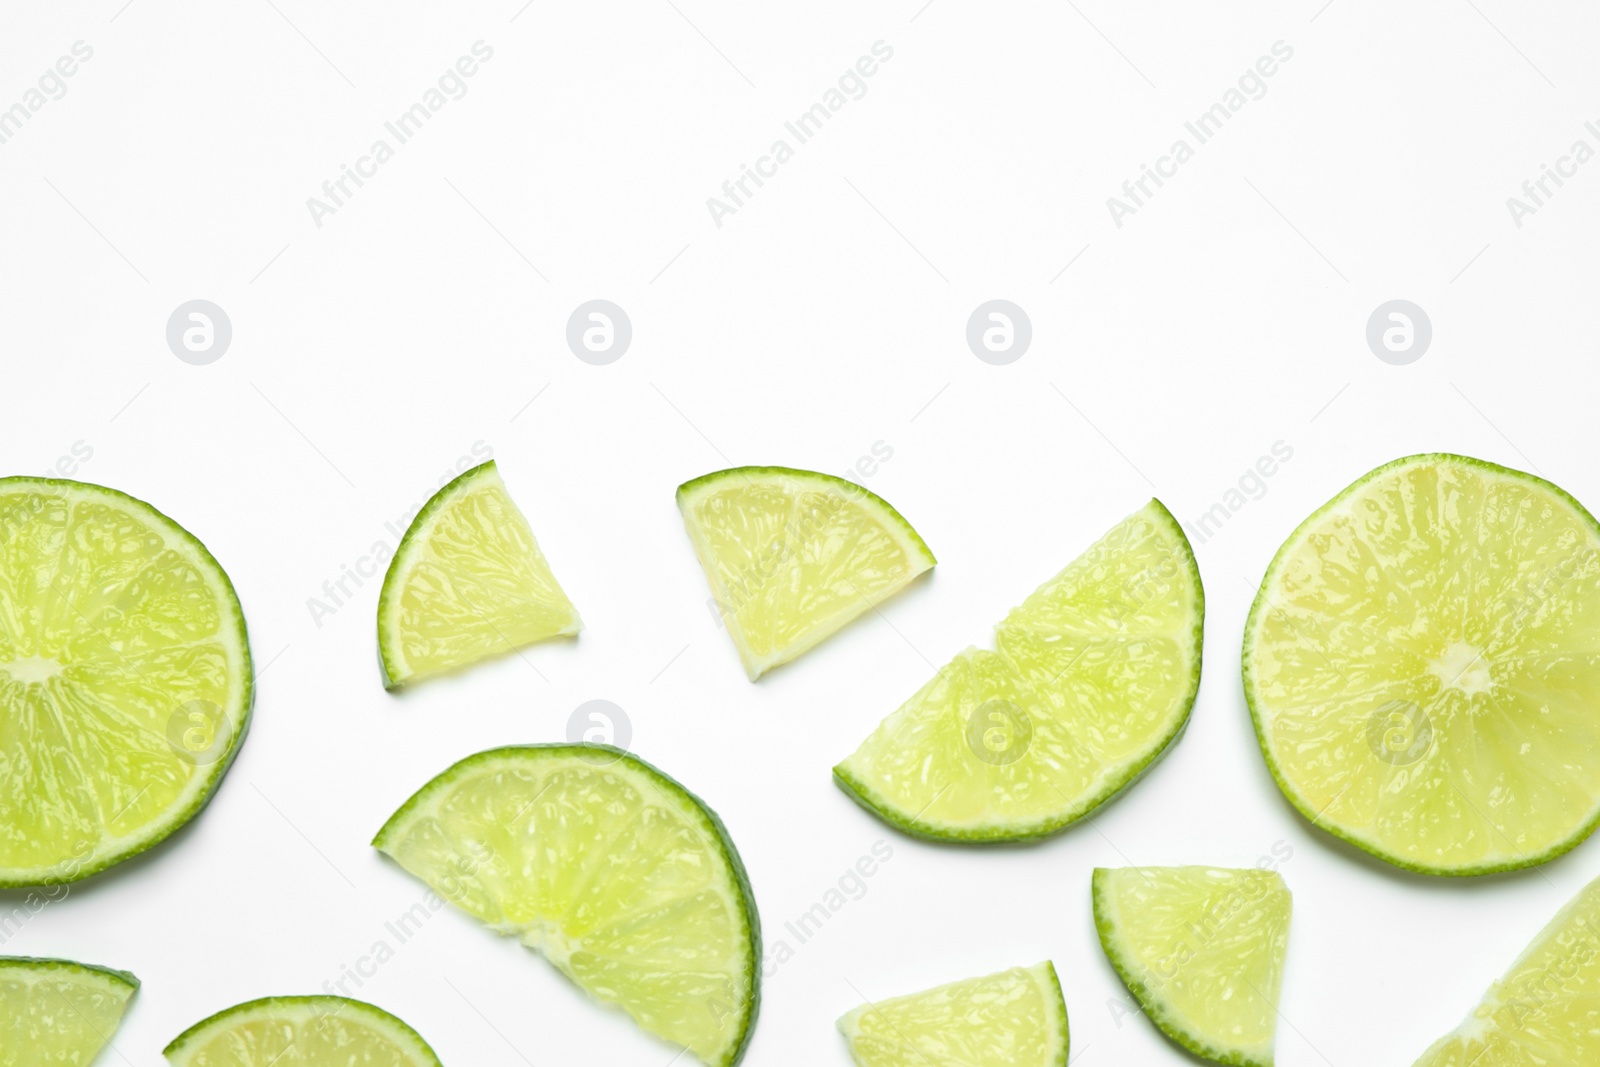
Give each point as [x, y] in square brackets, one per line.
[1300, 803]
[42, 964]
[709, 819]
[864, 795]
[1153, 1004]
[73, 870]
[396, 1029]
[694, 486]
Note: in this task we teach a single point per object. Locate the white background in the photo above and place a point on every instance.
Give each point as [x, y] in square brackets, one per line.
[828, 314]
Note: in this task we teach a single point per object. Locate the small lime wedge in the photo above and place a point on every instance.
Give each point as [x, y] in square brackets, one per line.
[467, 582]
[1423, 661]
[1016, 1018]
[1093, 679]
[1202, 948]
[301, 1032]
[56, 1013]
[125, 678]
[622, 878]
[793, 556]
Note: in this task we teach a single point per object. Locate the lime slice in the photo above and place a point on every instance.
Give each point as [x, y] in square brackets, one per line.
[1423, 661]
[1093, 680]
[1202, 948]
[792, 556]
[1016, 1018]
[468, 582]
[301, 1032]
[56, 1013]
[622, 878]
[1543, 1010]
[125, 680]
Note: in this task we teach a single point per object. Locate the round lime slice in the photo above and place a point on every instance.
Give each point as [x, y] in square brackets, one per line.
[56, 1013]
[125, 678]
[618, 875]
[301, 1032]
[1423, 663]
[1543, 1010]
[468, 582]
[793, 556]
[1016, 1018]
[1092, 681]
[1202, 948]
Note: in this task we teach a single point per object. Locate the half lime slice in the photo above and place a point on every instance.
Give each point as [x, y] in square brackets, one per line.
[125, 678]
[1092, 681]
[622, 878]
[793, 556]
[1016, 1018]
[1202, 948]
[56, 1013]
[1543, 1010]
[468, 582]
[1423, 661]
[301, 1032]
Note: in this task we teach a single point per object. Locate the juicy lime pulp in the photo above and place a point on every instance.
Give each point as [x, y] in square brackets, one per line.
[1422, 663]
[1016, 1018]
[56, 1013]
[301, 1032]
[622, 878]
[793, 556]
[125, 678]
[1543, 1010]
[1093, 679]
[1202, 948]
[467, 582]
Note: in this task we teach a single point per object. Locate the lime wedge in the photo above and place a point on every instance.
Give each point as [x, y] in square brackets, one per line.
[301, 1032]
[1543, 1010]
[1423, 661]
[1202, 948]
[125, 680]
[56, 1013]
[1093, 680]
[1016, 1018]
[622, 878]
[467, 582]
[792, 556]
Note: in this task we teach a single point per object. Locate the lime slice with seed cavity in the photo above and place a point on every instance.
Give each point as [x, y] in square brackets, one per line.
[56, 1013]
[125, 678]
[301, 1032]
[618, 875]
[1423, 663]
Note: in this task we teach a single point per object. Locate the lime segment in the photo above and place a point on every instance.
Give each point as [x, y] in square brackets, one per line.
[1202, 948]
[618, 875]
[1016, 1018]
[1423, 660]
[125, 678]
[301, 1032]
[793, 556]
[56, 1013]
[468, 582]
[1093, 679]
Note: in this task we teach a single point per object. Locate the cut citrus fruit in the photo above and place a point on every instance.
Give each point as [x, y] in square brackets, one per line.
[125, 679]
[1093, 680]
[1423, 662]
[56, 1013]
[468, 582]
[1202, 949]
[1016, 1018]
[622, 878]
[792, 556]
[301, 1032]
[1543, 1010]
